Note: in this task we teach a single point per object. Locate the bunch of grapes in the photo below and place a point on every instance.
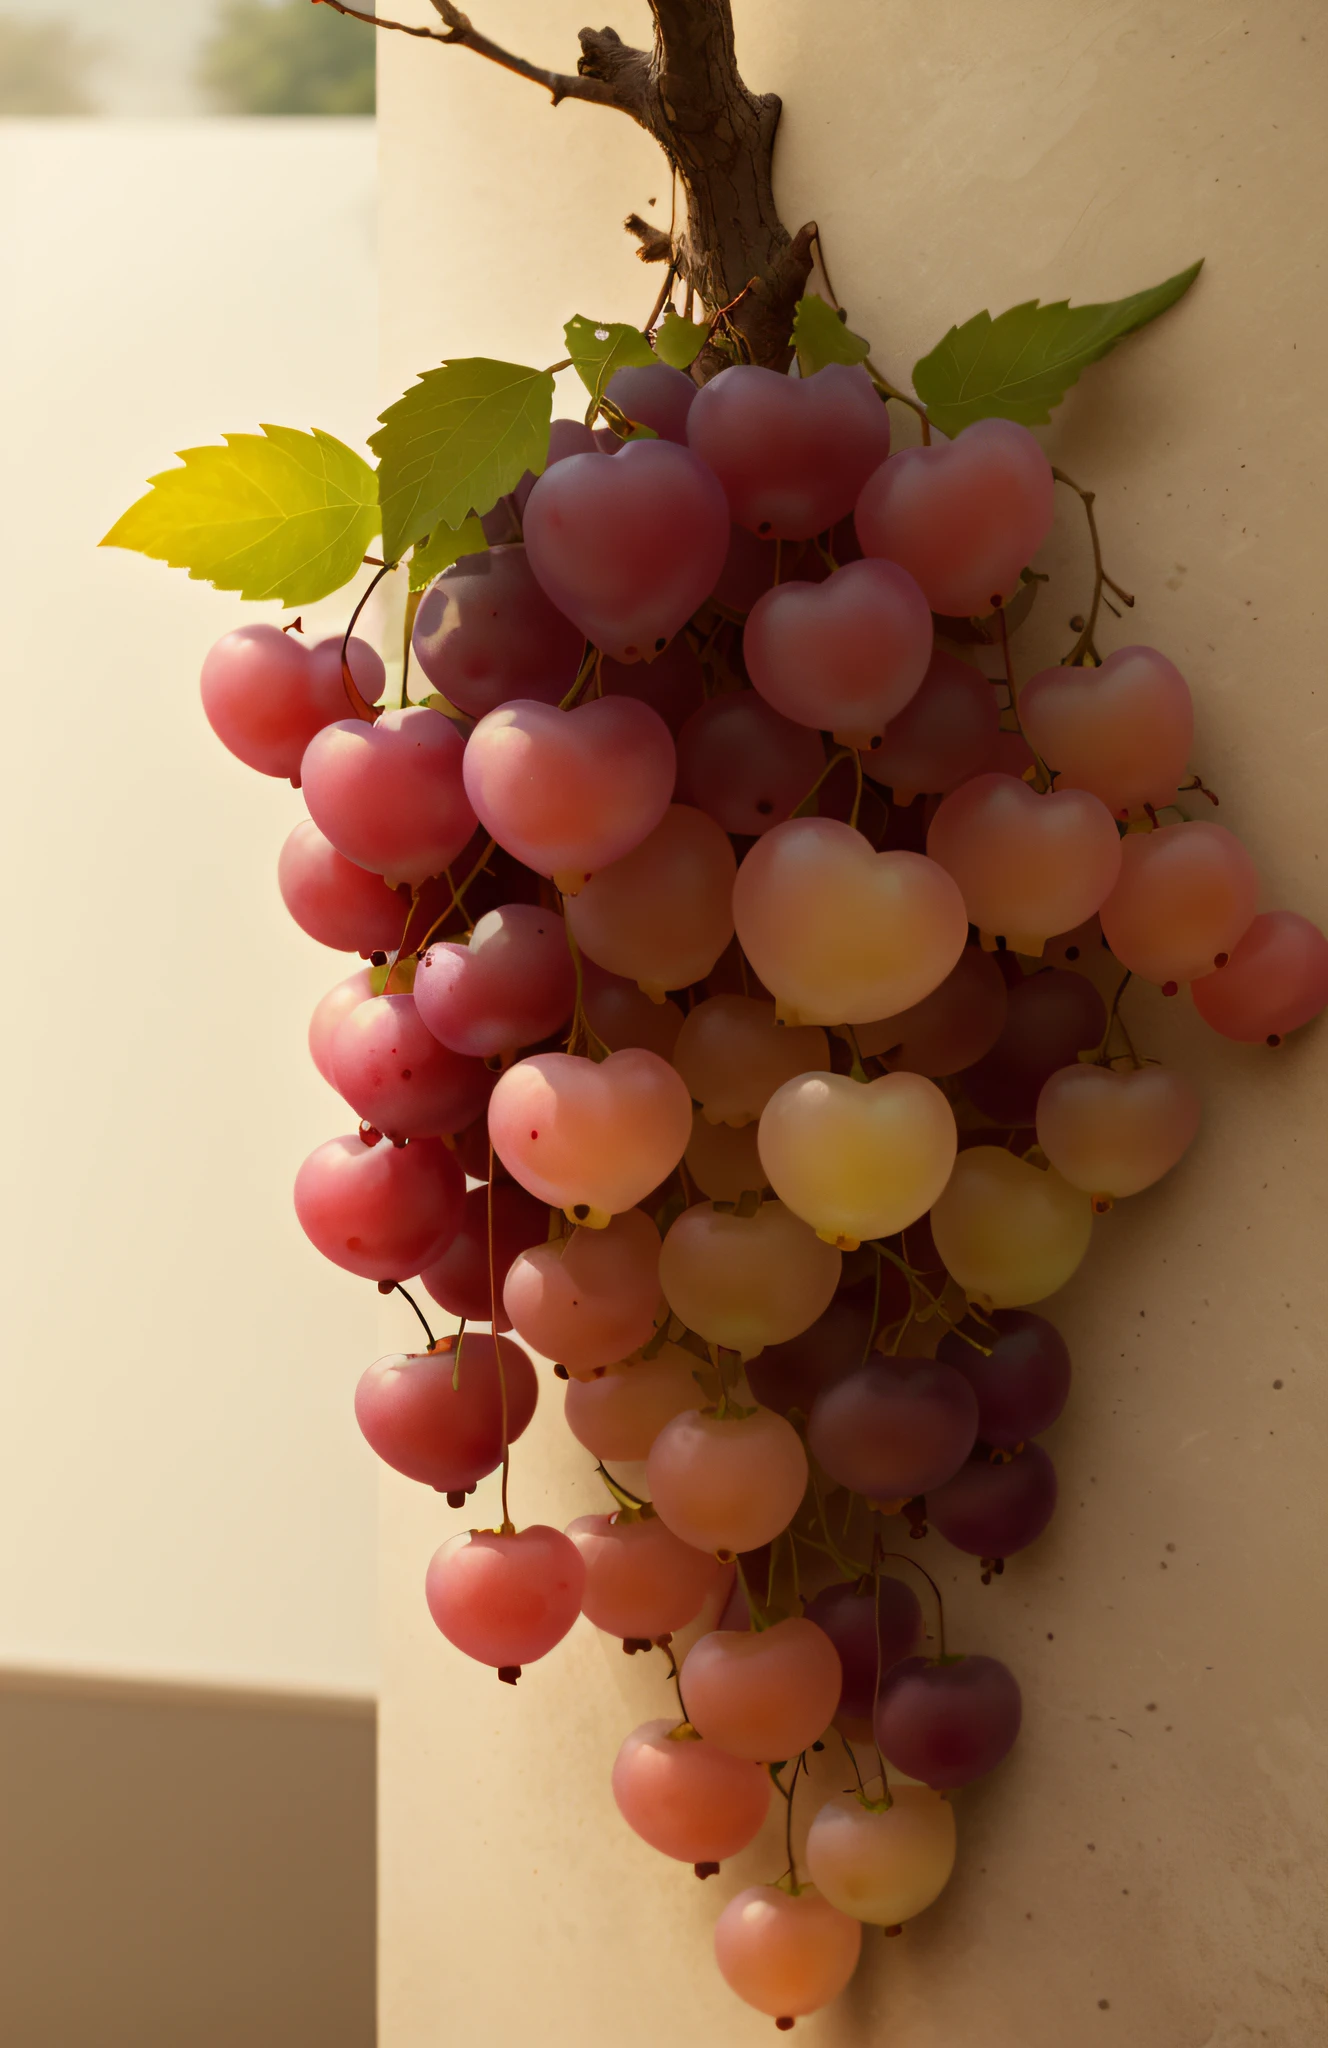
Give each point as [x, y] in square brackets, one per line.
[731, 1037]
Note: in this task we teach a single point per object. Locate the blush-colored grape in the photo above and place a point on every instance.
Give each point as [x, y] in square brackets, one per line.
[883, 1868]
[653, 395]
[568, 792]
[673, 684]
[1027, 865]
[382, 1211]
[1186, 896]
[266, 694]
[618, 1414]
[1123, 730]
[1009, 1232]
[630, 547]
[336, 902]
[743, 1282]
[506, 1600]
[727, 1483]
[733, 1056]
[842, 656]
[328, 1013]
[459, 1279]
[786, 1955]
[745, 765]
[590, 1139]
[1019, 1369]
[662, 915]
[857, 1160]
[398, 1078]
[390, 795]
[943, 735]
[589, 1299]
[1111, 1131]
[872, 1627]
[485, 633]
[1275, 981]
[791, 453]
[687, 1798]
[842, 934]
[964, 517]
[947, 1724]
[948, 1030]
[792, 1373]
[895, 1428]
[991, 1509]
[642, 1581]
[437, 1416]
[510, 984]
[620, 1015]
[763, 1694]
[1050, 1017]
[724, 1160]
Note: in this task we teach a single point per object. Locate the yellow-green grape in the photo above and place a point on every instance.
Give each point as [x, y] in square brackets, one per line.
[733, 1054]
[854, 1159]
[1115, 1133]
[662, 915]
[1008, 1231]
[743, 1282]
[723, 1161]
[883, 1867]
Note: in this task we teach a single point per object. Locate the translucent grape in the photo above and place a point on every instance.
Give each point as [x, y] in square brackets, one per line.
[724, 1161]
[786, 1955]
[947, 1724]
[618, 1414]
[842, 656]
[569, 791]
[743, 1282]
[727, 1484]
[1123, 730]
[883, 1868]
[506, 1600]
[1050, 1016]
[440, 1421]
[1275, 981]
[948, 1030]
[620, 1015]
[459, 1279]
[744, 765]
[485, 633]
[791, 453]
[1008, 1231]
[686, 1798]
[566, 437]
[872, 1628]
[857, 1160]
[390, 795]
[842, 934]
[589, 1299]
[992, 1510]
[895, 1428]
[962, 516]
[1021, 1376]
[1111, 1131]
[1186, 897]
[662, 915]
[630, 547]
[945, 733]
[1027, 865]
[641, 1580]
[791, 1374]
[511, 984]
[733, 1056]
[398, 1078]
[266, 694]
[673, 684]
[590, 1139]
[337, 903]
[328, 1013]
[763, 1694]
[653, 395]
[381, 1211]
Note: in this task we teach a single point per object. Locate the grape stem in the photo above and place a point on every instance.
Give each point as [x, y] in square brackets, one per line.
[889, 390]
[358, 704]
[458, 896]
[674, 1673]
[418, 1312]
[1084, 645]
[902, 1557]
[1116, 1019]
[840, 754]
[407, 634]
[508, 1527]
[849, 1753]
[619, 1492]
[581, 1025]
[786, 1793]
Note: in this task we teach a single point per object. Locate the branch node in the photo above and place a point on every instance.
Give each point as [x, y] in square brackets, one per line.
[656, 246]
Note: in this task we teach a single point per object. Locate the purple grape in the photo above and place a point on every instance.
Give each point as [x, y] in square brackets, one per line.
[894, 1428]
[1052, 1016]
[792, 453]
[791, 1375]
[653, 395]
[851, 1617]
[1022, 1387]
[991, 1510]
[486, 633]
[672, 684]
[947, 1722]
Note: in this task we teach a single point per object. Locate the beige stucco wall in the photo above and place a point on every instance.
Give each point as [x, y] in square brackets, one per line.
[1148, 1869]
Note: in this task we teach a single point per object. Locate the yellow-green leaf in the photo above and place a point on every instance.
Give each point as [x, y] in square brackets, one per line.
[467, 432]
[445, 545]
[599, 347]
[279, 514]
[679, 342]
[820, 336]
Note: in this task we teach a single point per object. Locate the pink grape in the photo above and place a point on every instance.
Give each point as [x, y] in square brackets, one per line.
[791, 453]
[943, 735]
[1275, 981]
[590, 1139]
[857, 1160]
[653, 395]
[1009, 1232]
[895, 1428]
[733, 1056]
[673, 684]
[685, 1797]
[883, 1867]
[963, 516]
[510, 984]
[398, 1078]
[1021, 1374]
[485, 633]
[993, 1510]
[724, 1161]
[730, 1483]
[566, 437]
[620, 1015]
[266, 694]
[1027, 865]
[390, 795]
[792, 1373]
[843, 656]
[763, 1694]
[1186, 897]
[786, 1954]
[662, 914]
[947, 1724]
[948, 1030]
[745, 765]
[641, 1580]
[458, 1279]
[618, 1414]
[1113, 1132]
[589, 1299]
[381, 1211]
[871, 1628]
[441, 1421]
[743, 1282]
[630, 547]
[334, 901]
[569, 791]
[1123, 730]
[749, 569]
[506, 1600]
[328, 1013]
[1050, 1017]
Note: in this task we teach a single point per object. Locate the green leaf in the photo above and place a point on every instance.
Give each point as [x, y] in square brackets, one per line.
[467, 432]
[1019, 366]
[599, 347]
[445, 545]
[279, 514]
[679, 342]
[821, 337]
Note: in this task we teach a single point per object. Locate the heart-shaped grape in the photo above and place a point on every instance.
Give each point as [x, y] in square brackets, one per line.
[653, 395]
[390, 795]
[590, 1299]
[857, 1161]
[1275, 981]
[1186, 896]
[509, 985]
[733, 1055]
[336, 902]
[381, 1211]
[485, 633]
[945, 733]
[590, 1139]
[792, 453]
[743, 1282]
[1123, 730]
[845, 655]
[266, 694]
[662, 915]
[1027, 865]
[1113, 1133]
[746, 766]
[1008, 1231]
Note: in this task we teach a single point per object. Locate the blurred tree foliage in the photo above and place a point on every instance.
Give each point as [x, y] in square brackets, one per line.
[44, 68]
[287, 57]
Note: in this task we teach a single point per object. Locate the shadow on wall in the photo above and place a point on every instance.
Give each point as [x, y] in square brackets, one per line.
[184, 1868]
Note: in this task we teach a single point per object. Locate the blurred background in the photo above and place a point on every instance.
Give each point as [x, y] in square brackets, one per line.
[188, 1660]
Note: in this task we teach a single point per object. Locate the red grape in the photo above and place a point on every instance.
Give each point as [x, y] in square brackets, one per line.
[336, 902]
[1122, 730]
[590, 1299]
[673, 684]
[765, 1694]
[727, 1483]
[943, 735]
[948, 1030]
[845, 655]
[590, 1139]
[398, 1078]
[506, 1599]
[872, 1627]
[485, 633]
[1023, 1384]
[744, 764]
[328, 1013]
[510, 984]
[266, 694]
[948, 1722]
[786, 1954]
[1187, 895]
[1275, 981]
[619, 1413]
[437, 1416]
[685, 1797]
[381, 1211]
[642, 1581]
[390, 795]
[458, 1280]
[992, 1509]
[894, 1428]
[662, 914]
[1050, 1017]
[653, 395]
[791, 453]
[1027, 865]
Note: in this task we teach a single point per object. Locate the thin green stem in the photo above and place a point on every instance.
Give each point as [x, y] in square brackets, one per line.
[508, 1528]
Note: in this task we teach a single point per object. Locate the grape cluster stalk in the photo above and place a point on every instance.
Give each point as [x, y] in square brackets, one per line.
[731, 1036]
